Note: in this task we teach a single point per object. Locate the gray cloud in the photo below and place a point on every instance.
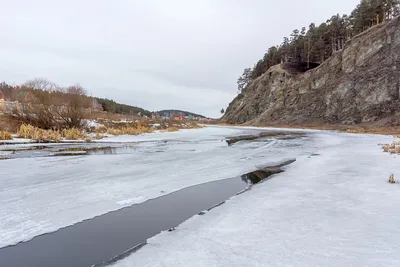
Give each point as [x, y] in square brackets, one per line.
[155, 54]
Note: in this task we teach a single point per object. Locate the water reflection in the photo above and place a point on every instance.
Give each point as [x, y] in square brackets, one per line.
[66, 150]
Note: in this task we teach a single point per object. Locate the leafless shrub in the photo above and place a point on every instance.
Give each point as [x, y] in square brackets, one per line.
[73, 111]
[9, 123]
[45, 105]
[42, 84]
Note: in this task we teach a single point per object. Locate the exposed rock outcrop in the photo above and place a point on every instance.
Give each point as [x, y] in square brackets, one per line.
[359, 84]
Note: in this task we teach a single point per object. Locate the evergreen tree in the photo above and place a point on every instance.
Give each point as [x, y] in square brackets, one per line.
[244, 80]
[319, 42]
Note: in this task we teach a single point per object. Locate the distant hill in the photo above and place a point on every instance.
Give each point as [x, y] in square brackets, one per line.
[168, 112]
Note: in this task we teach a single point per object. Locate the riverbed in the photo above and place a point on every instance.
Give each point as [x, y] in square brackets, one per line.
[92, 204]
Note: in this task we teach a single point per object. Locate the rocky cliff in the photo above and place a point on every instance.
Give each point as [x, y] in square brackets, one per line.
[359, 84]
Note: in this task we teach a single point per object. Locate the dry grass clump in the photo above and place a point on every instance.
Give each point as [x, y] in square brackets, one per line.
[5, 135]
[193, 125]
[393, 148]
[98, 136]
[135, 128]
[139, 129]
[385, 148]
[172, 129]
[355, 130]
[391, 179]
[73, 134]
[101, 129]
[26, 131]
[30, 132]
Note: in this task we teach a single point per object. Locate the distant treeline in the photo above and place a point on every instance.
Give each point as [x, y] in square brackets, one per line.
[317, 43]
[114, 107]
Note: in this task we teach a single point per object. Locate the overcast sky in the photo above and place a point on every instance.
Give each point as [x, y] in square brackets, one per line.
[156, 54]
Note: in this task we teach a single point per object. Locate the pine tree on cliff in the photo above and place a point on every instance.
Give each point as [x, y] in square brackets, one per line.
[320, 42]
[244, 79]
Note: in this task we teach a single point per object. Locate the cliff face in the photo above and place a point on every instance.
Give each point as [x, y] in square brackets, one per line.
[359, 84]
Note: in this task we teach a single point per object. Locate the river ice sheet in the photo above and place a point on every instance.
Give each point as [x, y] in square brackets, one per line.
[331, 209]
[42, 195]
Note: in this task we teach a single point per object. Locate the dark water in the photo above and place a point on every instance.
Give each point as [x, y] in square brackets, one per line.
[98, 240]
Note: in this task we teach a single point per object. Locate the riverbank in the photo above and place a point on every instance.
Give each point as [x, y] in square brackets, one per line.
[12, 131]
[357, 128]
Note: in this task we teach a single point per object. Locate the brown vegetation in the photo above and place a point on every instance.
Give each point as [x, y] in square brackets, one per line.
[391, 179]
[98, 136]
[73, 134]
[101, 129]
[172, 129]
[393, 148]
[9, 123]
[136, 127]
[30, 132]
[47, 106]
[139, 129]
[40, 135]
[5, 136]
[98, 115]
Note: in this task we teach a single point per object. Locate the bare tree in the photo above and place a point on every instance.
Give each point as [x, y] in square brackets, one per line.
[41, 84]
[73, 110]
[50, 106]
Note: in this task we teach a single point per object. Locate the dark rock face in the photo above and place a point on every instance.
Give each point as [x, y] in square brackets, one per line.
[359, 84]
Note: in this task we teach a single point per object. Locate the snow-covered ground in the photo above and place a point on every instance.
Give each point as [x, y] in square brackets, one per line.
[43, 194]
[332, 209]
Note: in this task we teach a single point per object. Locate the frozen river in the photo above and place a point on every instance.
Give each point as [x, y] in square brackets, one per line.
[43, 193]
